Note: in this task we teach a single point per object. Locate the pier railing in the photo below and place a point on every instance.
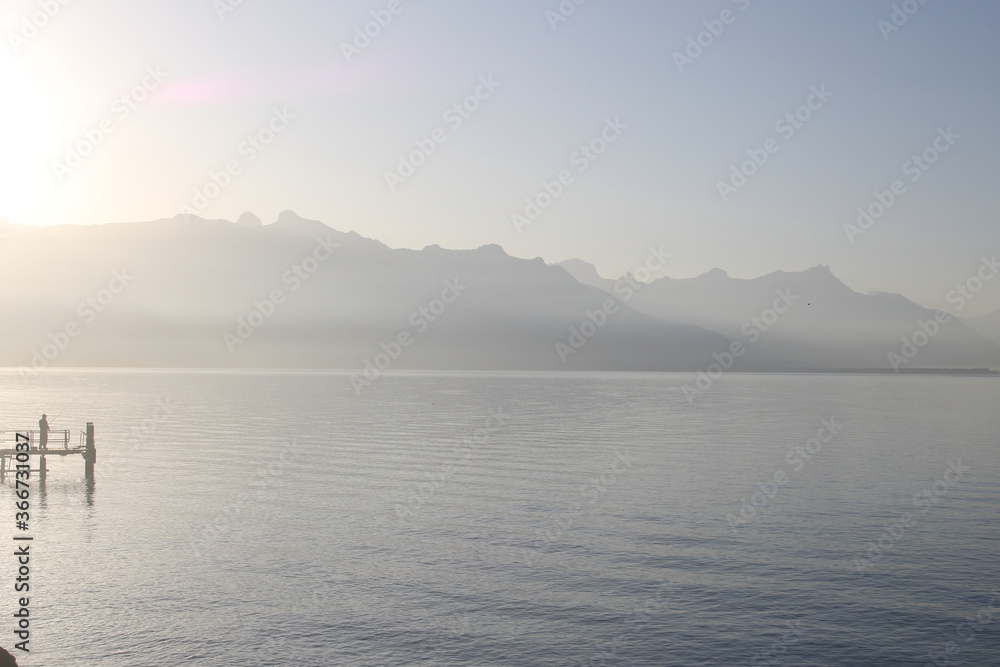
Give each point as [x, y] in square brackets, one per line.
[58, 439]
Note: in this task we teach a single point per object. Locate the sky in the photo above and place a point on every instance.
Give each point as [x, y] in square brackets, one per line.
[740, 134]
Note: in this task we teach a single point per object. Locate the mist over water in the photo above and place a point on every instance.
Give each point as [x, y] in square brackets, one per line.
[248, 518]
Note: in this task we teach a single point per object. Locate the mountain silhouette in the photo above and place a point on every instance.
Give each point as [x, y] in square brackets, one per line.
[826, 324]
[296, 293]
[192, 280]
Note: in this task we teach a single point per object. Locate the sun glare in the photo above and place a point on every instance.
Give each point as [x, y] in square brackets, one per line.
[25, 147]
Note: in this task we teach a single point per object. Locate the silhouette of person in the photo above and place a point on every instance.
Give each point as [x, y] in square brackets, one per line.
[6, 659]
[43, 432]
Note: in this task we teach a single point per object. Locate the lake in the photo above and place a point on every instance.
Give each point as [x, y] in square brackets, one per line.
[282, 518]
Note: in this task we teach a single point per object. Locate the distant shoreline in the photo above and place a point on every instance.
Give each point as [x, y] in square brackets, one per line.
[407, 371]
[889, 371]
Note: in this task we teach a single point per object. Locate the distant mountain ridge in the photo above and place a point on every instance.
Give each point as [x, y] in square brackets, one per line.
[825, 323]
[211, 293]
[296, 293]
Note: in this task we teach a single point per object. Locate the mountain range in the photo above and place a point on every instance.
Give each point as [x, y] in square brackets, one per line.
[296, 293]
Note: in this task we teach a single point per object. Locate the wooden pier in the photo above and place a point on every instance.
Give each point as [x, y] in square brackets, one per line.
[13, 452]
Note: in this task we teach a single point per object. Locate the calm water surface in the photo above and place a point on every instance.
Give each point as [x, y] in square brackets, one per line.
[519, 519]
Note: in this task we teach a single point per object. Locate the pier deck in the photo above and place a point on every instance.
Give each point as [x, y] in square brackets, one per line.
[57, 444]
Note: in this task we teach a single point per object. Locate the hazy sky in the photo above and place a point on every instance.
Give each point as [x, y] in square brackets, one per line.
[205, 84]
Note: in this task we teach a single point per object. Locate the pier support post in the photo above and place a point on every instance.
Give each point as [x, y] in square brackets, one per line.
[90, 451]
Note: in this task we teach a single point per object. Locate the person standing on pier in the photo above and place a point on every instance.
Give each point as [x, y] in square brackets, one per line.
[6, 659]
[43, 432]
